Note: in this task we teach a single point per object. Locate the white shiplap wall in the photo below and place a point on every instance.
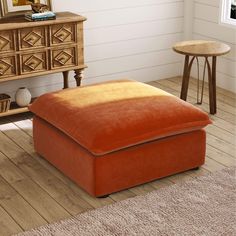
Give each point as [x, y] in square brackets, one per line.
[125, 38]
[206, 26]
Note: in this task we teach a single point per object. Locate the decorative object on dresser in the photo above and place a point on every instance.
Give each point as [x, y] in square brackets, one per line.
[19, 7]
[39, 7]
[30, 49]
[48, 15]
[5, 101]
[39, 12]
[23, 97]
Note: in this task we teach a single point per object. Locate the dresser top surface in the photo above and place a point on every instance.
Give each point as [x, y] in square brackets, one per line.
[20, 22]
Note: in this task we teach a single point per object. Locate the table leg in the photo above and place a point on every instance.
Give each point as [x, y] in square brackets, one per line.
[186, 75]
[65, 78]
[214, 82]
[78, 76]
[211, 88]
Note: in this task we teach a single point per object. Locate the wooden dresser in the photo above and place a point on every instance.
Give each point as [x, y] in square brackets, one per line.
[30, 49]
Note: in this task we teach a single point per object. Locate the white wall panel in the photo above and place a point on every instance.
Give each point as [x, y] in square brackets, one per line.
[214, 30]
[142, 74]
[81, 6]
[206, 12]
[214, 3]
[132, 31]
[133, 15]
[206, 26]
[131, 47]
[133, 62]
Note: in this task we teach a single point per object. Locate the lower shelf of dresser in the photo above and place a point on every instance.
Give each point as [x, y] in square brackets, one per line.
[14, 111]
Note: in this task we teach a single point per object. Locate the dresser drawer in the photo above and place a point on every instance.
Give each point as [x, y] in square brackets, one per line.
[63, 34]
[7, 43]
[65, 57]
[32, 37]
[8, 66]
[33, 62]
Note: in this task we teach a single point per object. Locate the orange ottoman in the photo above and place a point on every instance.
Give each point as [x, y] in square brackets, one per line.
[115, 135]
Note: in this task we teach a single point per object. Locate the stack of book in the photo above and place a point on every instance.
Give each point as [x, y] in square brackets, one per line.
[48, 15]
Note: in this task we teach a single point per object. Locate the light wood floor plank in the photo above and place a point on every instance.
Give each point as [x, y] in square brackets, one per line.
[94, 202]
[23, 141]
[49, 182]
[122, 195]
[26, 126]
[56, 188]
[197, 173]
[212, 165]
[179, 178]
[221, 144]
[221, 134]
[224, 125]
[41, 201]
[161, 183]
[23, 121]
[142, 189]
[220, 156]
[7, 225]
[32, 192]
[19, 209]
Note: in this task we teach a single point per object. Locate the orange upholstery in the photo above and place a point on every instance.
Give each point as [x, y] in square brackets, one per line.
[112, 136]
[122, 169]
[111, 116]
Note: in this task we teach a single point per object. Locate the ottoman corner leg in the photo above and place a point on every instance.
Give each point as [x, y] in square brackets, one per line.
[104, 196]
[196, 168]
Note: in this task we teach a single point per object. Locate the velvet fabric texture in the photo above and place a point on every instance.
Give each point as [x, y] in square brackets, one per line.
[111, 116]
[115, 171]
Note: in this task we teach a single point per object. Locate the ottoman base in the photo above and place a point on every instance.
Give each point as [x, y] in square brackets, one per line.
[119, 170]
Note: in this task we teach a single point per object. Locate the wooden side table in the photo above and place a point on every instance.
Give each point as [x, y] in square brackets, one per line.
[206, 49]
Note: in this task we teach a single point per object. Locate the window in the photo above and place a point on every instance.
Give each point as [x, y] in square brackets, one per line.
[228, 12]
[233, 10]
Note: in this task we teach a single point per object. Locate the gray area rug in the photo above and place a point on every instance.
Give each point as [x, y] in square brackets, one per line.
[203, 206]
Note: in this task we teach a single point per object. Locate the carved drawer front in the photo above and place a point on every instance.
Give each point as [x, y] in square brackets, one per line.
[32, 37]
[33, 62]
[63, 33]
[8, 67]
[64, 57]
[7, 41]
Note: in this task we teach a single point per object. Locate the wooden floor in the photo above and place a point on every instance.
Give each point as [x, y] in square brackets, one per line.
[33, 193]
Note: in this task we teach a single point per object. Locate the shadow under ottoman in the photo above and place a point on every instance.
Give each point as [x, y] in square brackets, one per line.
[100, 168]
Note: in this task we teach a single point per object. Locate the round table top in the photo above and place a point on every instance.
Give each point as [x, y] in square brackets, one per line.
[201, 48]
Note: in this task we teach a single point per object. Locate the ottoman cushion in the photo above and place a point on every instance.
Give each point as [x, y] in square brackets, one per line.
[107, 117]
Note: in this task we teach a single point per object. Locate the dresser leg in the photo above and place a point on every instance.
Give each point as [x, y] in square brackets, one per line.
[65, 78]
[78, 76]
